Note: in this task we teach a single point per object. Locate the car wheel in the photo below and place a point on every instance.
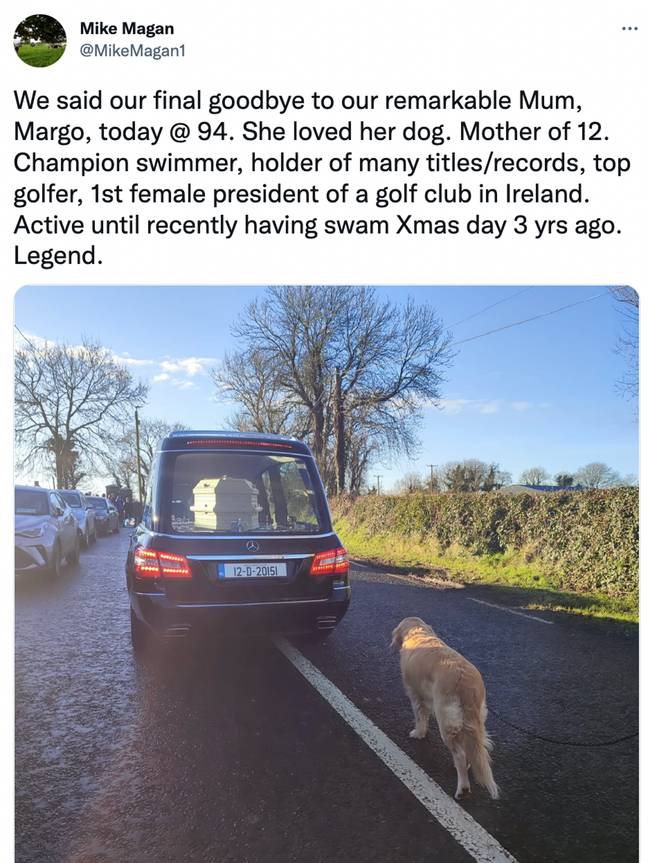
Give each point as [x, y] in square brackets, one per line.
[75, 554]
[93, 535]
[140, 636]
[84, 538]
[54, 567]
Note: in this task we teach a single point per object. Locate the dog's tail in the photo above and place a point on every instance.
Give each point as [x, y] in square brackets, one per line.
[478, 746]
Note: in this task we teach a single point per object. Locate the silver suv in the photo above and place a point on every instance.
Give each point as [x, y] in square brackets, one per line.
[84, 513]
[46, 530]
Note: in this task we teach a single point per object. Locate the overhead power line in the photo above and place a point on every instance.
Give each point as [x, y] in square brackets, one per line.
[534, 318]
[492, 306]
[23, 335]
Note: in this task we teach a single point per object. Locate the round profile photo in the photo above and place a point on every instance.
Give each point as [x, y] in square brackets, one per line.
[39, 40]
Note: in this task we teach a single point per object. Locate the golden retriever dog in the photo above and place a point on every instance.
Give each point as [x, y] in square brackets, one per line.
[439, 680]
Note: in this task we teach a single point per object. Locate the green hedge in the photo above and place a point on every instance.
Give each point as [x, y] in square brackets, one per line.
[587, 540]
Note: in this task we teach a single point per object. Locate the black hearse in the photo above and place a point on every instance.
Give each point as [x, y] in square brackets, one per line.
[235, 538]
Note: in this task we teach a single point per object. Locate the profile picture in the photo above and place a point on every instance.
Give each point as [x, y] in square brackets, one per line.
[39, 40]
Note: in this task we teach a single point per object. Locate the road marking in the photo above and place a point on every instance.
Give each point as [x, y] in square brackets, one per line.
[422, 582]
[512, 611]
[468, 833]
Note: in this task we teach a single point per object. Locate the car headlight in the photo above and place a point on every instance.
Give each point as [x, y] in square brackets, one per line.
[32, 532]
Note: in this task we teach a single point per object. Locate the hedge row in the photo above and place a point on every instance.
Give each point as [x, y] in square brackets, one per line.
[587, 540]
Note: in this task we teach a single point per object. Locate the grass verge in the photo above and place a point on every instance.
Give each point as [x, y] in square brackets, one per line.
[40, 55]
[516, 580]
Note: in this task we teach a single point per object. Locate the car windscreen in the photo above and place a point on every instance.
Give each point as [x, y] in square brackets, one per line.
[237, 492]
[98, 502]
[72, 498]
[31, 502]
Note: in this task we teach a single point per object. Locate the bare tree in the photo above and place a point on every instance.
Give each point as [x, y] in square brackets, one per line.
[409, 483]
[360, 450]
[70, 403]
[121, 459]
[597, 475]
[627, 300]
[266, 406]
[534, 476]
[432, 483]
[471, 474]
[344, 362]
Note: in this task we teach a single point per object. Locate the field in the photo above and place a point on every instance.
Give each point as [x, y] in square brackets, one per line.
[40, 55]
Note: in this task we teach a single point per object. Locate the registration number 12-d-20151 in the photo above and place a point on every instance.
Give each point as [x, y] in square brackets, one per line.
[252, 570]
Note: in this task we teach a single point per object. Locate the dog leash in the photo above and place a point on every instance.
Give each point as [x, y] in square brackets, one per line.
[561, 742]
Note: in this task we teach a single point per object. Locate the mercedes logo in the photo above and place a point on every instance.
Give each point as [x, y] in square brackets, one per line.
[252, 546]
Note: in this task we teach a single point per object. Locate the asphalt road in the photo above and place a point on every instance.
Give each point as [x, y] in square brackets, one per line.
[227, 753]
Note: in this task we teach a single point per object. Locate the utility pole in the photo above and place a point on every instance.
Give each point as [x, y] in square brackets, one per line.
[378, 478]
[340, 443]
[432, 466]
[140, 481]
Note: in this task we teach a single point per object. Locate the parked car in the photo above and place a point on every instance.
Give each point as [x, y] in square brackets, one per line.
[236, 535]
[84, 513]
[46, 531]
[106, 515]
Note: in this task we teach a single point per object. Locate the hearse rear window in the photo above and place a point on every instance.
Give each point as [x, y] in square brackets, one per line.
[235, 492]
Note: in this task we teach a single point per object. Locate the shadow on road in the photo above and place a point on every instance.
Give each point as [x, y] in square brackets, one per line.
[565, 605]
[553, 602]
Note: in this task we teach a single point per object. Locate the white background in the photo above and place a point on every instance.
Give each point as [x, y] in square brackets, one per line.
[370, 47]
[345, 47]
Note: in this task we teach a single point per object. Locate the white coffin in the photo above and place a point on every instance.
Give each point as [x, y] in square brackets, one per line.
[226, 503]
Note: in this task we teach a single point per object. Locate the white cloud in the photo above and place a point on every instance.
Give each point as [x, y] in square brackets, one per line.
[186, 367]
[127, 360]
[177, 371]
[190, 366]
[23, 337]
[453, 406]
[486, 406]
[178, 383]
[491, 407]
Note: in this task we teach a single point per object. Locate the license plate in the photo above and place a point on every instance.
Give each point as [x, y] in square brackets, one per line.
[252, 570]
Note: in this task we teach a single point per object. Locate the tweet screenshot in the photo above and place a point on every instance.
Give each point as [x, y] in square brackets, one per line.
[321, 364]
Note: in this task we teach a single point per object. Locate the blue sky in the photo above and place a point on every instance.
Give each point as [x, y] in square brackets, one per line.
[542, 393]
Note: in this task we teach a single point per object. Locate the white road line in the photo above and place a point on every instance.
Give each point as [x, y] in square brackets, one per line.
[468, 833]
[421, 582]
[511, 611]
